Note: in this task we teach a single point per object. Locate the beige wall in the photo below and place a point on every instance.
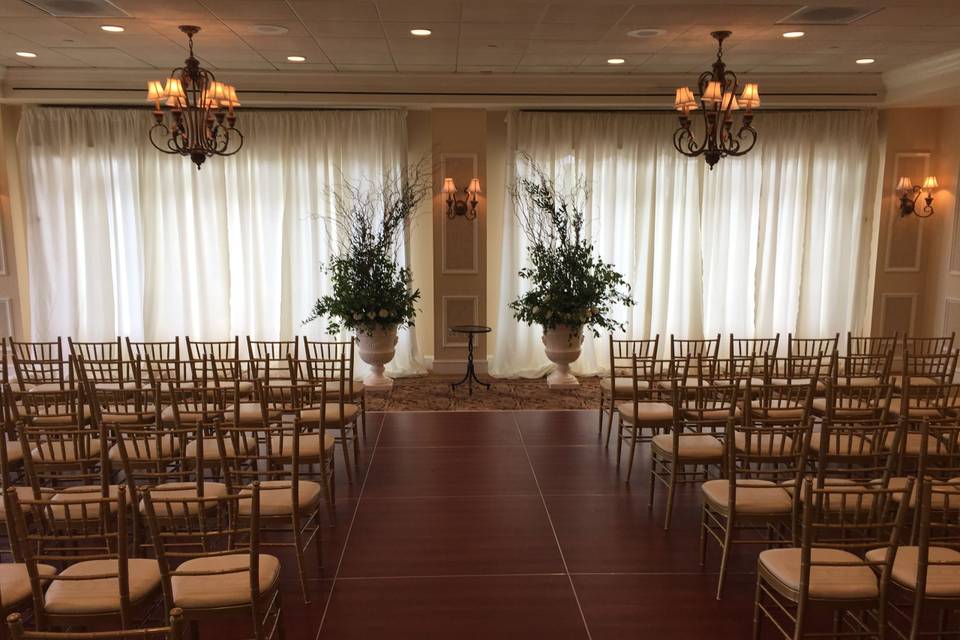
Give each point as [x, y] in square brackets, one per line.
[913, 280]
[14, 291]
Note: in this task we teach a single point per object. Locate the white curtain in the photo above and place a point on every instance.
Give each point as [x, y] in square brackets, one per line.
[125, 240]
[774, 241]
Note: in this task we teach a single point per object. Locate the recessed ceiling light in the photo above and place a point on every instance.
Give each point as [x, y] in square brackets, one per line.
[112, 28]
[646, 33]
[793, 34]
[865, 61]
[421, 33]
[296, 59]
[26, 54]
[616, 61]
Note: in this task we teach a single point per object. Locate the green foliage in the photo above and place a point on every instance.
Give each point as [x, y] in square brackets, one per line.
[370, 290]
[570, 284]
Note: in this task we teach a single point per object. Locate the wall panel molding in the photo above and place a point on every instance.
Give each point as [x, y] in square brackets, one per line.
[905, 235]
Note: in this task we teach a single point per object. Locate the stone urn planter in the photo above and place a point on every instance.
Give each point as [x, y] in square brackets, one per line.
[377, 348]
[562, 344]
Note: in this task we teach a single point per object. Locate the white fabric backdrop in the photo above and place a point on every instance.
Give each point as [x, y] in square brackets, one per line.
[774, 241]
[124, 240]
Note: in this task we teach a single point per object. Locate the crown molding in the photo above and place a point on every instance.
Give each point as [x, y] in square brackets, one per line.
[934, 82]
[419, 90]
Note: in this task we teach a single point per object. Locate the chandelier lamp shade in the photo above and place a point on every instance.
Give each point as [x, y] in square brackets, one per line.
[720, 98]
[194, 114]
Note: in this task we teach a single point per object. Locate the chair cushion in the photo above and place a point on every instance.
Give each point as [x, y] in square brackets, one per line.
[334, 388]
[179, 491]
[820, 406]
[754, 497]
[916, 381]
[15, 582]
[896, 407]
[857, 581]
[778, 408]
[332, 415]
[835, 502]
[143, 449]
[56, 451]
[211, 450]
[942, 580]
[938, 499]
[624, 386]
[764, 442]
[80, 493]
[186, 416]
[658, 412]
[276, 497]
[57, 420]
[222, 589]
[23, 493]
[100, 595]
[691, 446]
[913, 443]
[14, 451]
[250, 413]
[309, 444]
[840, 444]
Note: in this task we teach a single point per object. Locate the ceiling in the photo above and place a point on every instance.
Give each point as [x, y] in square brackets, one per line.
[471, 39]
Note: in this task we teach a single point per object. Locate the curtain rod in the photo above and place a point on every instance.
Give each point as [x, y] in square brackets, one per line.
[673, 111]
[127, 107]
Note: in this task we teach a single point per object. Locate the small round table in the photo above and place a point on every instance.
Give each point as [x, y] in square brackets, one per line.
[471, 375]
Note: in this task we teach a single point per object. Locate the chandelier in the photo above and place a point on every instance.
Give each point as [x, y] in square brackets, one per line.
[201, 111]
[718, 101]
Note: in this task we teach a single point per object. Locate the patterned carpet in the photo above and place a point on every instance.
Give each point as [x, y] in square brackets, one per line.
[433, 393]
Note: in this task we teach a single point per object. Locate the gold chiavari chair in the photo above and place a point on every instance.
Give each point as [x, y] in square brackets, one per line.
[332, 350]
[327, 409]
[649, 409]
[172, 632]
[218, 362]
[697, 350]
[103, 363]
[934, 400]
[824, 348]
[755, 348]
[97, 582]
[40, 366]
[872, 345]
[927, 576]
[695, 441]
[159, 362]
[833, 568]
[850, 396]
[795, 369]
[289, 505]
[925, 369]
[270, 359]
[210, 562]
[618, 386]
[929, 346]
[750, 505]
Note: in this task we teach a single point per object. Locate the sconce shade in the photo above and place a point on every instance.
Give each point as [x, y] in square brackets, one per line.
[155, 91]
[174, 92]
[474, 187]
[448, 186]
[905, 184]
[750, 96]
[729, 100]
[713, 93]
[684, 100]
[230, 96]
[930, 182]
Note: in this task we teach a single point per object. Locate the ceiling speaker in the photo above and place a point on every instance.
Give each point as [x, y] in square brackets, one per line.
[812, 14]
[79, 8]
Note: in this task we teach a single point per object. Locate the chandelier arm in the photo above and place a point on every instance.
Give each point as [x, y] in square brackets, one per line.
[751, 133]
[165, 132]
[239, 136]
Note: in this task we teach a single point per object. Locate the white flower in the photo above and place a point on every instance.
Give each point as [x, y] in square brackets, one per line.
[383, 313]
[535, 310]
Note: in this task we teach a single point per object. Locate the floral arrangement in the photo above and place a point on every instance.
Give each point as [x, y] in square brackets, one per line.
[570, 284]
[370, 289]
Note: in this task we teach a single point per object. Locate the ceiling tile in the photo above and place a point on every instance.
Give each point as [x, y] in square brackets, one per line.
[600, 59]
[185, 10]
[503, 11]
[401, 30]
[359, 57]
[246, 28]
[303, 67]
[345, 29]
[286, 46]
[416, 10]
[374, 45]
[564, 31]
[485, 69]
[347, 10]
[19, 9]
[496, 44]
[545, 69]
[265, 10]
[438, 47]
[104, 57]
[585, 13]
[552, 59]
[496, 30]
[427, 68]
[490, 58]
[366, 67]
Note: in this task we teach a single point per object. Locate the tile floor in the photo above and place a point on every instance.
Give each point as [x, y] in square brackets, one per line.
[509, 525]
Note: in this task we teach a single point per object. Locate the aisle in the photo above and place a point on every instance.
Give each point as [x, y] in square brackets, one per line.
[509, 525]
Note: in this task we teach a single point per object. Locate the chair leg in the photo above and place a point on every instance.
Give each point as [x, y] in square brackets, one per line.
[600, 421]
[653, 479]
[363, 414]
[703, 536]
[345, 447]
[619, 441]
[611, 410]
[356, 446]
[757, 613]
[671, 490]
[633, 451]
[301, 572]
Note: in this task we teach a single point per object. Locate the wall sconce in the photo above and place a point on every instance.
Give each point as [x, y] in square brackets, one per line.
[909, 194]
[467, 207]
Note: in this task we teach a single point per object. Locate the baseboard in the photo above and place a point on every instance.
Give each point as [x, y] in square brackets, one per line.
[456, 367]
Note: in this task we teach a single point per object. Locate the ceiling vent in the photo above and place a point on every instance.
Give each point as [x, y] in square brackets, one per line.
[646, 33]
[812, 14]
[79, 8]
